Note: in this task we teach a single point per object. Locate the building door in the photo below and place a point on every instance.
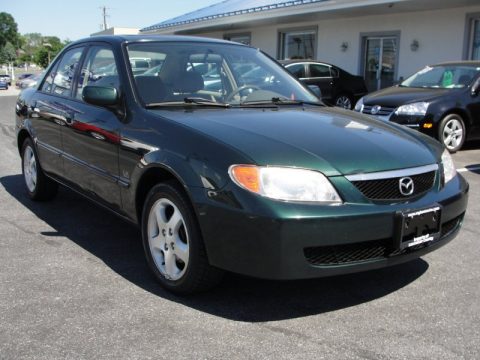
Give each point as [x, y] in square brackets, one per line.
[380, 61]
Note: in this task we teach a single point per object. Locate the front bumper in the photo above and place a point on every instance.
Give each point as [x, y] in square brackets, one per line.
[269, 239]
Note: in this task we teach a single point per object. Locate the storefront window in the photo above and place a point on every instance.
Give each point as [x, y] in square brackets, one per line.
[298, 45]
[475, 40]
[241, 38]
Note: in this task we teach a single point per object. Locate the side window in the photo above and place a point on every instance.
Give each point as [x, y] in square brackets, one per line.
[334, 72]
[297, 70]
[99, 68]
[317, 70]
[62, 82]
[48, 82]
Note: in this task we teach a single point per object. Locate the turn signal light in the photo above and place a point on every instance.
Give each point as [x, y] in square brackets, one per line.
[427, 125]
[247, 176]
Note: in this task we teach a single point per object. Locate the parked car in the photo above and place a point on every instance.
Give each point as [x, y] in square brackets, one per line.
[3, 84]
[338, 87]
[22, 77]
[7, 78]
[440, 100]
[262, 179]
[31, 81]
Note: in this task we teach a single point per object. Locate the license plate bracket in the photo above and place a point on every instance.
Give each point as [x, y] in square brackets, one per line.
[419, 226]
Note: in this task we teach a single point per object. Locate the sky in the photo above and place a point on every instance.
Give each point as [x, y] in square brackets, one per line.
[73, 20]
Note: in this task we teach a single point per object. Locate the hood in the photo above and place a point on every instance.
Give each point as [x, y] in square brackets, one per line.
[396, 96]
[329, 140]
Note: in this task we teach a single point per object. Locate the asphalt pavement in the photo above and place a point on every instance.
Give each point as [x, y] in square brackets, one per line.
[74, 285]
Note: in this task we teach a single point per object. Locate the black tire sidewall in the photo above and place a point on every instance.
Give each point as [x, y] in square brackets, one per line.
[441, 128]
[170, 192]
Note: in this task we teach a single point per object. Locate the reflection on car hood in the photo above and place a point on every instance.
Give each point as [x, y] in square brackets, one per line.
[330, 140]
[397, 95]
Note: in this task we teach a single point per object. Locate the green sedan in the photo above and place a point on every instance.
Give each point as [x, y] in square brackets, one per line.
[224, 170]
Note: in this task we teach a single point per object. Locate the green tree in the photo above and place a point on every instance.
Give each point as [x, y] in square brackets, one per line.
[8, 53]
[8, 30]
[50, 46]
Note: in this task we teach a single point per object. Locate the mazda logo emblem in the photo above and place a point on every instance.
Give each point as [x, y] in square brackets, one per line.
[375, 109]
[405, 185]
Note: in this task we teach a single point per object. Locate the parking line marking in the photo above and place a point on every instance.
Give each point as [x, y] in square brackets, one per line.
[473, 168]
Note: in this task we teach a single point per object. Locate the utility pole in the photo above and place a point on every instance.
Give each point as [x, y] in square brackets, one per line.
[104, 15]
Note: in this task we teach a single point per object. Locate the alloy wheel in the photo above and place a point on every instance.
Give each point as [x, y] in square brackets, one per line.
[452, 134]
[30, 169]
[168, 239]
[343, 101]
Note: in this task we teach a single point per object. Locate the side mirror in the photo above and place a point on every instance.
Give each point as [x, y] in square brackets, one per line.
[100, 95]
[316, 90]
[475, 88]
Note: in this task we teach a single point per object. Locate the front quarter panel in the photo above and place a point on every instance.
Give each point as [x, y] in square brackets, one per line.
[195, 160]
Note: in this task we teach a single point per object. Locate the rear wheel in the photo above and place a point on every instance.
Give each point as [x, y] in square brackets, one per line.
[344, 101]
[39, 187]
[451, 132]
[173, 243]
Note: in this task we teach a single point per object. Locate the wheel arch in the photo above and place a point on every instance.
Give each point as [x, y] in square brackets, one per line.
[152, 176]
[22, 135]
[467, 121]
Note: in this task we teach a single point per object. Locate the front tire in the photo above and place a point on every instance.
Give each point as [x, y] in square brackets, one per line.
[173, 244]
[451, 132]
[39, 187]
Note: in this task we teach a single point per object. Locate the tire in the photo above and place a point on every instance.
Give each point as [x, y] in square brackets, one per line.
[344, 101]
[173, 244]
[39, 187]
[451, 132]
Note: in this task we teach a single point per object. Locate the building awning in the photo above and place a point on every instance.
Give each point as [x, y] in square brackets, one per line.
[237, 14]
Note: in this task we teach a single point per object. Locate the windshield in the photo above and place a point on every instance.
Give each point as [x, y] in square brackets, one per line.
[443, 77]
[216, 73]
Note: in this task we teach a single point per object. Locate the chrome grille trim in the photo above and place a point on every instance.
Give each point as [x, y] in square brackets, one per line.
[393, 173]
[384, 110]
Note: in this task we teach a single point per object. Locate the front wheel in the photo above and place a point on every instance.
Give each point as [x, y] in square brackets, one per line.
[39, 186]
[451, 132]
[173, 243]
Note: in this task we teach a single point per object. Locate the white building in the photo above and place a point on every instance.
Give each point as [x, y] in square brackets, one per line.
[357, 35]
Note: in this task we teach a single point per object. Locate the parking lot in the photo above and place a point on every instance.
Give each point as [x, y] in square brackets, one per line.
[74, 284]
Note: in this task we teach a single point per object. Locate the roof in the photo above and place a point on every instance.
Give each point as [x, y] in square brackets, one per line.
[228, 8]
[459, 63]
[116, 39]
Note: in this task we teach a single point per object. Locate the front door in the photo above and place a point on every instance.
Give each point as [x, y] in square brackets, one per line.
[91, 136]
[380, 60]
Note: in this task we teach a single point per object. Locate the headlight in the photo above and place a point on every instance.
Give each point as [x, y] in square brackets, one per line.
[282, 183]
[359, 105]
[449, 170]
[419, 108]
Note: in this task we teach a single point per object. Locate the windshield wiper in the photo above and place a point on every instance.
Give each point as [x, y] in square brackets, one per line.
[190, 101]
[281, 101]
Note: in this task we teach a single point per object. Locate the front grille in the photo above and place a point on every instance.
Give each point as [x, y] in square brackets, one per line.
[383, 111]
[367, 250]
[389, 189]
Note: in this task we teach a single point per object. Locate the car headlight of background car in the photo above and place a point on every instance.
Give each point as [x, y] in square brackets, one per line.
[418, 108]
[359, 105]
[449, 170]
[283, 183]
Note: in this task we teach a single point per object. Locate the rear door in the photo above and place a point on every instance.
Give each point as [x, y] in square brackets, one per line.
[320, 75]
[50, 111]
